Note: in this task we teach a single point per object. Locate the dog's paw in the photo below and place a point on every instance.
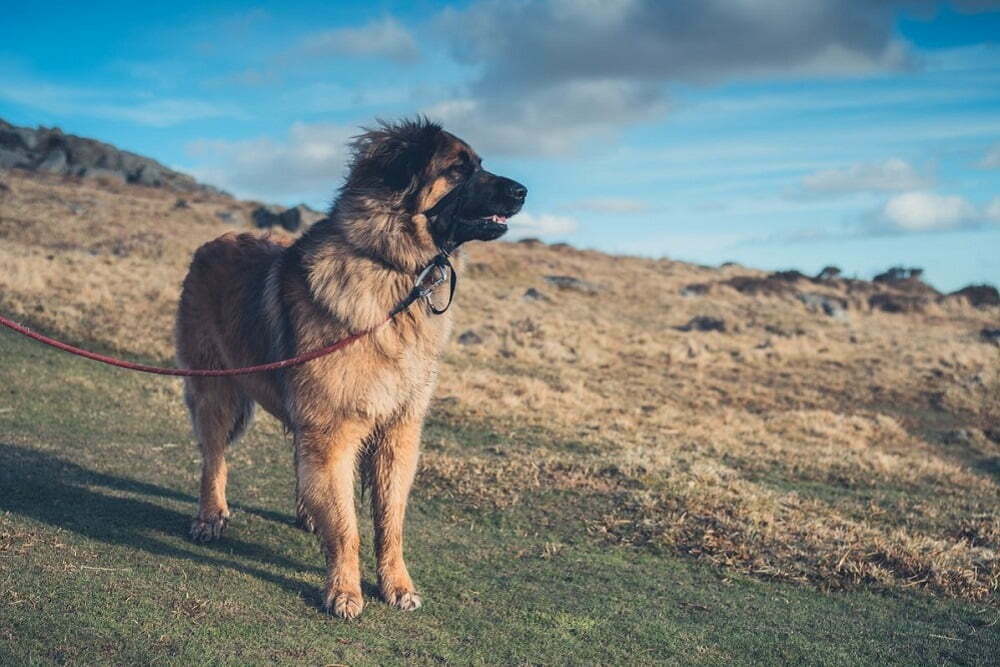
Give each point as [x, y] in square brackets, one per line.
[407, 600]
[206, 529]
[344, 604]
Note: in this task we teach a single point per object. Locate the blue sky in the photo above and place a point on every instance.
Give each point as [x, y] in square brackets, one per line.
[777, 134]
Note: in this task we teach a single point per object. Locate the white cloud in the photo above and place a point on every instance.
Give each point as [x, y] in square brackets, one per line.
[892, 175]
[385, 38]
[992, 210]
[545, 225]
[927, 212]
[309, 161]
[992, 158]
[551, 121]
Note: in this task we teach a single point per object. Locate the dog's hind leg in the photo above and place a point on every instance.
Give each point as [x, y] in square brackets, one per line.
[220, 412]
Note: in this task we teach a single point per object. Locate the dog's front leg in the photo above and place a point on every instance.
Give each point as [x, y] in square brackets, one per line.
[393, 465]
[326, 459]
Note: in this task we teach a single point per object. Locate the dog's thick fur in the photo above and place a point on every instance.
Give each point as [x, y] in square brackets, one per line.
[249, 300]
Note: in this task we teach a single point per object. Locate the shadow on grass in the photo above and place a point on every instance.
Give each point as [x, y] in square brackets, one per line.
[60, 493]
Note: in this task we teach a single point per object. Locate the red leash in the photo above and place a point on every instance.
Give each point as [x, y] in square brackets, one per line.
[420, 291]
[188, 372]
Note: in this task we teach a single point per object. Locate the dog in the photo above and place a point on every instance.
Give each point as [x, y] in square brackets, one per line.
[412, 190]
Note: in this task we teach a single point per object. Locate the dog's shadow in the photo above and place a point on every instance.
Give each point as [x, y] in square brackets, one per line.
[63, 494]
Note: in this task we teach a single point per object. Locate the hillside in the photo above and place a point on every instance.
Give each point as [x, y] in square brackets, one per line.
[833, 434]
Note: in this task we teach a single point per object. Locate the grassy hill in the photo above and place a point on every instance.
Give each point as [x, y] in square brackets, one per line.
[629, 460]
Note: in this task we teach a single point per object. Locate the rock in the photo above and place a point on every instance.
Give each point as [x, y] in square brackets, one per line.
[470, 337]
[990, 335]
[753, 285]
[830, 305]
[694, 289]
[906, 280]
[959, 436]
[827, 274]
[298, 216]
[181, 203]
[898, 274]
[49, 150]
[704, 323]
[54, 162]
[979, 295]
[266, 216]
[531, 241]
[788, 276]
[531, 294]
[10, 159]
[890, 302]
[572, 283]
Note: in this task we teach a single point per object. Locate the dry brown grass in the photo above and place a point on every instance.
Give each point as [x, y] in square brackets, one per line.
[793, 445]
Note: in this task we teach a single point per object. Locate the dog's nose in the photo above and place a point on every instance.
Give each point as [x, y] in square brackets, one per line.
[516, 191]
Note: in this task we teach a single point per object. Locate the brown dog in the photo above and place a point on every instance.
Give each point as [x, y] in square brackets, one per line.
[412, 189]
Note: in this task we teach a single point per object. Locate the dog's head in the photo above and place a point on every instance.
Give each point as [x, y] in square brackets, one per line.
[416, 168]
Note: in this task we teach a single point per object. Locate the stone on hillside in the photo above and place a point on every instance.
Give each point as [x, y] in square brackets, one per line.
[266, 216]
[298, 216]
[828, 273]
[704, 323]
[979, 295]
[890, 302]
[832, 306]
[531, 294]
[572, 283]
[470, 337]
[990, 335]
[54, 162]
[694, 289]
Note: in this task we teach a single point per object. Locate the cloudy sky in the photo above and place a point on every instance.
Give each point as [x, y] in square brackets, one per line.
[776, 133]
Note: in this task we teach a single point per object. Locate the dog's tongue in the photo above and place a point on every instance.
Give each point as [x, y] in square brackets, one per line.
[499, 219]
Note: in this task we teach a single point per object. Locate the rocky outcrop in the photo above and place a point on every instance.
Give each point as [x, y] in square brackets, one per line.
[979, 295]
[291, 219]
[49, 150]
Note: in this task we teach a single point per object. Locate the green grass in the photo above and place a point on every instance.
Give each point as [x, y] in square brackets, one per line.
[97, 483]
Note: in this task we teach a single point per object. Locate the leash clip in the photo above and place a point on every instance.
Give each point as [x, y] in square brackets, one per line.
[424, 291]
[445, 273]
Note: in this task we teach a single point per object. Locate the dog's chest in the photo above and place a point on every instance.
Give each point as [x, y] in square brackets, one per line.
[391, 371]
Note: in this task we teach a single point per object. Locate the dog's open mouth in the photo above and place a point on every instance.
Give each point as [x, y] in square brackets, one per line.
[499, 219]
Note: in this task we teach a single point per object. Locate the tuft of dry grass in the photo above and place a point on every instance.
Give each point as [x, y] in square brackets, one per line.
[837, 451]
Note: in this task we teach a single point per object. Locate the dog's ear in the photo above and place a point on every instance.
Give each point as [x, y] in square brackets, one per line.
[393, 156]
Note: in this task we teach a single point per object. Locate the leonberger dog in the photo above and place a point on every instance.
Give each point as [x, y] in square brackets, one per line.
[412, 189]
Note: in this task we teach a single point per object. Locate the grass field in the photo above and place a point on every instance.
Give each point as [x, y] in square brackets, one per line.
[97, 475]
[598, 484]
